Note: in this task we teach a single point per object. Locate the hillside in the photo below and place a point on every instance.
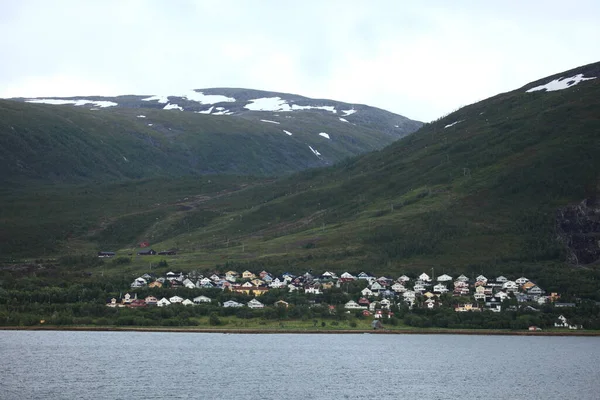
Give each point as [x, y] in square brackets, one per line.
[250, 104]
[66, 142]
[484, 189]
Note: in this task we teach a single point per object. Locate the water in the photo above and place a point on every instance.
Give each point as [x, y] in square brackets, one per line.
[144, 365]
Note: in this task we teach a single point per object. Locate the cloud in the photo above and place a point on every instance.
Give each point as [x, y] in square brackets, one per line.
[419, 60]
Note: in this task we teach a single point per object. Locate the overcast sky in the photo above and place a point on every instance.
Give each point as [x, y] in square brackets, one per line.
[419, 59]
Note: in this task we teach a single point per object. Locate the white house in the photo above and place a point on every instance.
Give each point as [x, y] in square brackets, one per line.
[440, 288]
[444, 278]
[255, 304]
[366, 292]
[352, 305]
[346, 276]
[510, 286]
[403, 278]
[187, 302]
[398, 287]
[202, 299]
[163, 302]
[501, 279]
[312, 290]
[424, 277]
[462, 278]
[385, 304]
[481, 278]
[175, 299]
[232, 303]
[139, 282]
[522, 280]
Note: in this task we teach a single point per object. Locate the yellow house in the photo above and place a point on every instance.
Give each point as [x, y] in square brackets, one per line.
[248, 275]
[326, 285]
[250, 290]
[257, 282]
[155, 284]
[527, 285]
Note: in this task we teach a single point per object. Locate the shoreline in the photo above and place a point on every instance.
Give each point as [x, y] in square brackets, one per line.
[301, 331]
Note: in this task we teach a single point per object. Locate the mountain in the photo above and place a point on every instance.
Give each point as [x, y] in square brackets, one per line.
[508, 185]
[201, 132]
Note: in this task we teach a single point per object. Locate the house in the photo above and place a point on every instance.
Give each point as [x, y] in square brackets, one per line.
[151, 300]
[424, 277]
[232, 303]
[562, 305]
[281, 303]
[187, 302]
[444, 278]
[128, 298]
[163, 302]
[376, 287]
[462, 278]
[385, 304]
[257, 282]
[215, 278]
[248, 275]
[440, 288]
[352, 305]
[466, 307]
[535, 328]
[147, 252]
[430, 303]
[563, 323]
[106, 254]
[481, 278]
[522, 280]
[527, 285]
[363, 301]
[175, 299]
[535, 290]
[510, 286]
[188, 283]
[112, 303]
[403, 279]
[364, 275]
[366, 292]
[155, 284]
[312, 290]
[501, 279]
[398, 287]
[255, 304]
[139, 282]
[202, 299]
[137, 303]
[347, 277]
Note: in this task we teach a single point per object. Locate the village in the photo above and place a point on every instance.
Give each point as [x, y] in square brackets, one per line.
[376, 300]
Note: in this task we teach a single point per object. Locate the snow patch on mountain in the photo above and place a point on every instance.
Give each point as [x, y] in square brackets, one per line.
[268, 104]
[561, 83]
[80, 102]
[160, 99]
[202, 98]
[343, 119]
[348, 112]
[315, 152]
[452, 124]
[192, 95]
[205, 111]
[287, 132]
[222, 112]
[325, 135]
[279, 104]
[331, 109]
[141, 116]
[172, 107]
[271, 122]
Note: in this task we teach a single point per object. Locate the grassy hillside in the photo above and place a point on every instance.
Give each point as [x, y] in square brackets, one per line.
[475, 191]
[67, 144]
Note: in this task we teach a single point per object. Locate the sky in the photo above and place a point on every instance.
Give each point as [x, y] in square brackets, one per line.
[420, 59]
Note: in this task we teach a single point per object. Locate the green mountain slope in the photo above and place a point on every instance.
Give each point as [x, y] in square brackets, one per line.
[62, 143]
[481, 190]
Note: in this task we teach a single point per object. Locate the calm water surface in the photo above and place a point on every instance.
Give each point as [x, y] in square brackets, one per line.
[144, 365]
